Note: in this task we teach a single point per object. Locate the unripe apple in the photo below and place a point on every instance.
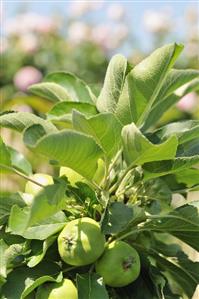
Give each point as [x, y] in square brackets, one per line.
[43, 179]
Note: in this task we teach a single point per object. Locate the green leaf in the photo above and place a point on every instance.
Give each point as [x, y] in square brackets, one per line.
[113, 84]
[48, 202]
[23, 280]
[90, 286]
[189, 148]
[160, 168]
[21, 120]
[174, 80]
[139, 150]
[39, 250]
[143, 84]
[78, 151]
[77, 89]
[62, 112]
[160, 107]
[5, 158]
[190, 177]
[19, 162]
[6, 203]
[50, 91]
[184, 130]
[183, 272]
[104, 128]
[182, 223]
[19, 219]
[117, 218]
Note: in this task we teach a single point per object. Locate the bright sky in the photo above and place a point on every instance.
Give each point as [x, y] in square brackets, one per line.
[134, 10]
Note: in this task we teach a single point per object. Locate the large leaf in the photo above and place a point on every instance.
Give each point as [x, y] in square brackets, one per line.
[20, 120]
[113, 84]
[143, 84]
[182, 223]
[77, 151]
[24, 280]
[90, 286]
[160, 168]
[51, 91]
[47, 202]
[139, 150]
[19, 219]
[104, 128]
[77, 89]
[62, 111]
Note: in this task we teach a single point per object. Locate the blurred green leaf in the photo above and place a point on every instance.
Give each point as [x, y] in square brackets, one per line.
[76, 88]
[21, 120]
[50, 91]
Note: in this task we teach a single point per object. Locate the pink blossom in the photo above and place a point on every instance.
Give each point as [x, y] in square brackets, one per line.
[79, 8]
[26, 76]
[158, 21]
[109, 37]
[188, 102]
[116, 12]
[78, 32]
[28, 43]
[29, 22]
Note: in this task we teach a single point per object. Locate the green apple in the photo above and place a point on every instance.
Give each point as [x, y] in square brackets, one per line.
[81, 242]
[72, 175]
[41, 178]
[119, 265]
[54, 290]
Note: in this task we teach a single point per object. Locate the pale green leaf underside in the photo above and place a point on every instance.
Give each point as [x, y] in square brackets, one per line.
[21, 120]
[62, 111]
[49, 90]
[113, 84]
[139, 150]
[77, 89]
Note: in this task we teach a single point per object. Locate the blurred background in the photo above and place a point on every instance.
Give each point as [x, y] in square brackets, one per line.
[39, 37]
